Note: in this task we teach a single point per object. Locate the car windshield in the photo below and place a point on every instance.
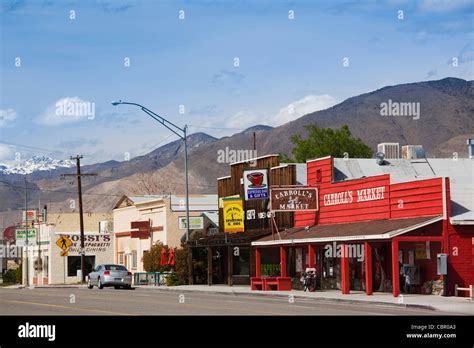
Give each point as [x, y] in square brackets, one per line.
[115, 268]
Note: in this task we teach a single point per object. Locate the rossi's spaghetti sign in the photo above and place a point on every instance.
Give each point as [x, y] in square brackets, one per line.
[347, 197]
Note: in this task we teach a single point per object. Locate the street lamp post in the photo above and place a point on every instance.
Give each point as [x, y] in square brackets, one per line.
[180, 132]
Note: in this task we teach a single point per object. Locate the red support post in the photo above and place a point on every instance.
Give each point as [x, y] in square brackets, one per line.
[311, 256]
[282, 261]
[395, 269]
[345, 276]
[257, 262]
[368, 268]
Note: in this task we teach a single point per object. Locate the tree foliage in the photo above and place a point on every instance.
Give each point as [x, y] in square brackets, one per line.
[322, 142]
[152, 263]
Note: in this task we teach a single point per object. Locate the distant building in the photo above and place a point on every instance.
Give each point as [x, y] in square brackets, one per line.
[47, 265]
[141, 221]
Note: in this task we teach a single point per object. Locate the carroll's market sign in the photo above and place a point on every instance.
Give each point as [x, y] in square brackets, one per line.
[357, 196]
[294, 199]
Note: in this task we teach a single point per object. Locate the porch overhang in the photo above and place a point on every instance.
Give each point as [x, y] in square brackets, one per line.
[356, 231]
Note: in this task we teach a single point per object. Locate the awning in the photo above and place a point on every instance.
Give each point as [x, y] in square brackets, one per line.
[365, 230]
[237, 238]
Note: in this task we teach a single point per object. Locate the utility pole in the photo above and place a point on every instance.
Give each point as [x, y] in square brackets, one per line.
[81, 215]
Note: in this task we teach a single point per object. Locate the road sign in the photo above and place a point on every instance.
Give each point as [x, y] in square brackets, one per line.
[64, 243]
[64, 253]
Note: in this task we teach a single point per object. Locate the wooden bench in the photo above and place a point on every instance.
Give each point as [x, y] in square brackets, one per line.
[470, 289]
[280, 283]
[256, 283]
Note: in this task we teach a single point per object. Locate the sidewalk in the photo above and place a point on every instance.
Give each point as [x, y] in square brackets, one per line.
[455, 305]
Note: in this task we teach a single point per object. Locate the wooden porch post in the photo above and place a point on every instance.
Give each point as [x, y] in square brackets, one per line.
[311, 256]
[190, 266]
[209, 266]
[395, 269]
[345, 276]
[368, 268]
[230, 265]
[282, 261]
[257, 263]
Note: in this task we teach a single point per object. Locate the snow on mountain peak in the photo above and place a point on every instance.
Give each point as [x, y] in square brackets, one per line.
[36, 163]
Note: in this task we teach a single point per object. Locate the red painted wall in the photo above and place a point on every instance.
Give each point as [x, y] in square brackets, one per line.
[461, 256]
[418, 198]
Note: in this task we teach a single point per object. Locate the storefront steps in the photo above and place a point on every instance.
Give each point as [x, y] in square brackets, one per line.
[455, 305]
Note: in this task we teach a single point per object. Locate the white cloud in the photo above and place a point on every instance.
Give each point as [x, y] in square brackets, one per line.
[7, 116]
[243, 119]
[7, 153]
[310, 103]
[303, 106]
[67, 110]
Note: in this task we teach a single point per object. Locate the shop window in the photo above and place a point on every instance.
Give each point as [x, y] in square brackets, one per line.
[134, 259]
[241, 265]
[120, 258]
[270, 262]
[329, 267]
[74, 264]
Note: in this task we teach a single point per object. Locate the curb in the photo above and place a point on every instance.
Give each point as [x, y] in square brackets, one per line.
[324, 299]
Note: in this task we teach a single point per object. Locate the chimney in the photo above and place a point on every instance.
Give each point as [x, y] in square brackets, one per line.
[410, 152]
[470, 146]
[390, 150]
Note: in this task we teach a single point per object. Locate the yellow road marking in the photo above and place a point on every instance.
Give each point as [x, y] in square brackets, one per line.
[61, 306]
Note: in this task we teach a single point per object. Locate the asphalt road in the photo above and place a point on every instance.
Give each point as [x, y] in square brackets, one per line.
[82, 301]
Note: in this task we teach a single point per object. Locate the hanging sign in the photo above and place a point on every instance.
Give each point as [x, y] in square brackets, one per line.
[256, 184]
[233, 215]
[294, 199]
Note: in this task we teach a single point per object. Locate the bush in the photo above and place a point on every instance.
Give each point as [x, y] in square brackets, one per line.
[151, 259]
[19, 274]
[172, 279]
[9, 277]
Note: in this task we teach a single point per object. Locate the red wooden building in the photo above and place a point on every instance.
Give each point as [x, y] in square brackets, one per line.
[382, 220]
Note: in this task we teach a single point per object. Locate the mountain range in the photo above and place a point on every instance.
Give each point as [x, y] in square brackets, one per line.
[446, 120]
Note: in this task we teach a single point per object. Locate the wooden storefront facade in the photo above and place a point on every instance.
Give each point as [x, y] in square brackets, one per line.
[229, 256]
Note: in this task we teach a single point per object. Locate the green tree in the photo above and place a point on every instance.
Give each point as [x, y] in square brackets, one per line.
[322, 142]
[151, 259]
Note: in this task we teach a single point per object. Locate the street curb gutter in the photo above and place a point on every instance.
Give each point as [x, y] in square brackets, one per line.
[325, 299]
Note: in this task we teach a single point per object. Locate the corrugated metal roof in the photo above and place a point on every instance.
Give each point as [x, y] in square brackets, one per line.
[460, 172]
[213, 216]
[196, 203]
[145, 198]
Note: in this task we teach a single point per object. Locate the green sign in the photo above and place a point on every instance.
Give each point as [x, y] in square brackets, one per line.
[21, 233]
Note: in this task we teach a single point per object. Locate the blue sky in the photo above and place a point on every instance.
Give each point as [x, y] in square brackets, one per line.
[284, 64]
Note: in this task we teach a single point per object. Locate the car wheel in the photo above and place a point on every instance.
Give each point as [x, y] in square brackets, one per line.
[116, 286]
[100, 285]
[89, 284]
[128, 286]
